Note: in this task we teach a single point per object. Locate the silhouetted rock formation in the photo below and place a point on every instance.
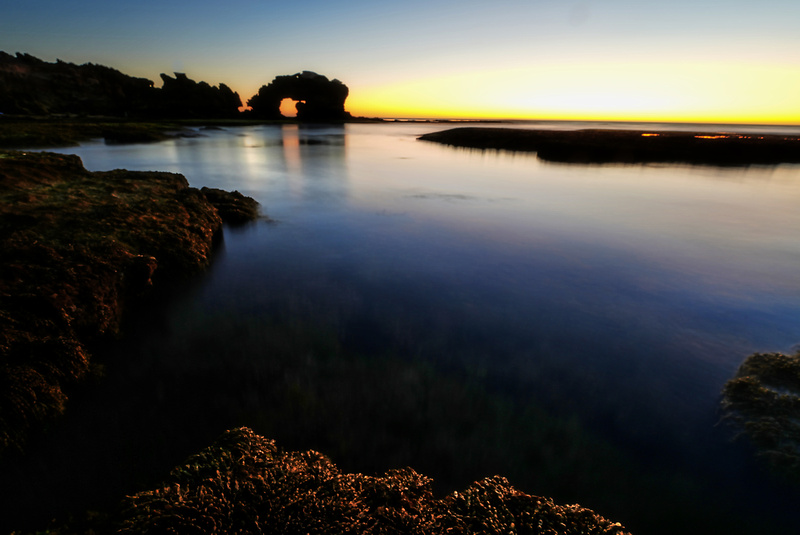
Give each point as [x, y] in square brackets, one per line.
[319, 99]
[30, 86]
[628, 146]
[183, 98]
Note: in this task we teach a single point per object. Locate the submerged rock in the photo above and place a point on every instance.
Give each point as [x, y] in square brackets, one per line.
[76, 246]
[763, 400]
[244, 484]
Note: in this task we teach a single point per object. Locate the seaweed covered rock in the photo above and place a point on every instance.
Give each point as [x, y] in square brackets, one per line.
[76, 245]
[763, 399]
[233, 207]
[244, 484]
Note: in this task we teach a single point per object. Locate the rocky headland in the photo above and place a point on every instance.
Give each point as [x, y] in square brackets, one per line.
[628, 146]
[32, 87]
[77, 246]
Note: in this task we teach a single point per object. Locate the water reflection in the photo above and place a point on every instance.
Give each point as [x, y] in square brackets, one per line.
[462, 313]
[314, 162]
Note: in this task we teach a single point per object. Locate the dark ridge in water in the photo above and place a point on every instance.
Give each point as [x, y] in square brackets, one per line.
[629, 146]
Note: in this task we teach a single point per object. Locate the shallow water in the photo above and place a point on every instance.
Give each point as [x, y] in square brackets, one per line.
[462, 312]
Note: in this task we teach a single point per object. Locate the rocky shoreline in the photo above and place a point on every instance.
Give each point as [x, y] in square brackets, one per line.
[28, 132]
[80, 245]
[77, 246]
[628, 146]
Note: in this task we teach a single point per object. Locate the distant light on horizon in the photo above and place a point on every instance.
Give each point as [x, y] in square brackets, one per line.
[672, 92]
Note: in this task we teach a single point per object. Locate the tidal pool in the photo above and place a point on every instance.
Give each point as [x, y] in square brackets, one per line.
[465, 313]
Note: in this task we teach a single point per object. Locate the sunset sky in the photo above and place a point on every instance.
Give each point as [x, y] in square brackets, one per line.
[684, 60]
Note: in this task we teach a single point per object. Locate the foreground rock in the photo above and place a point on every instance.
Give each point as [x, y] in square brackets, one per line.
[76, 247]
[763, 400]
[628, 146]
[244, 484]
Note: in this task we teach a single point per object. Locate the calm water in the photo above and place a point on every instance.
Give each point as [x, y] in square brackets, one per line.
[464, 313]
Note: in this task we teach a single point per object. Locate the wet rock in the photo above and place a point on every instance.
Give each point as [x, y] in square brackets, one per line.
[233, 207]
[244, 483]
[763, 401]
[76, 247]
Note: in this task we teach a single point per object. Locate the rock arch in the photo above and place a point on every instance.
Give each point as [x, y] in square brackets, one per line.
[319, 99]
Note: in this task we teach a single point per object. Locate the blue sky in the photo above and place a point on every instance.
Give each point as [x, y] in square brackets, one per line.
[390, 50]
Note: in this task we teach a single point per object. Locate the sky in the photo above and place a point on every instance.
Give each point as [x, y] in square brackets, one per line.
[678, 61]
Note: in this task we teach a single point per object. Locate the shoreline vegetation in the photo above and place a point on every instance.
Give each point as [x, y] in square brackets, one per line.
[628, 146]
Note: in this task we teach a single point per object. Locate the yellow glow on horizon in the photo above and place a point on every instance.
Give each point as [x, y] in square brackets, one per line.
[675, 92]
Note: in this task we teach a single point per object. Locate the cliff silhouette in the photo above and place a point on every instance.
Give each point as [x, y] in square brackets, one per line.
[319, 99]
[32, 87]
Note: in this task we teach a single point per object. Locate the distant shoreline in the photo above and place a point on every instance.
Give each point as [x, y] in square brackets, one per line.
[598, 146]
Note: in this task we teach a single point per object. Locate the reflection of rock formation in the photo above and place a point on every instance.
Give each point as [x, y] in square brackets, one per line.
[319, 99]
[312, 157]
[30, 86]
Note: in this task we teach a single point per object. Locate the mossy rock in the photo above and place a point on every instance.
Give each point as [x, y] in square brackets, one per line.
[76, 247]
[244, 484]
[763, 400]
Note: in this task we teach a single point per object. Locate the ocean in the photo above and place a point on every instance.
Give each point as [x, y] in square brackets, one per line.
[465, 313]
